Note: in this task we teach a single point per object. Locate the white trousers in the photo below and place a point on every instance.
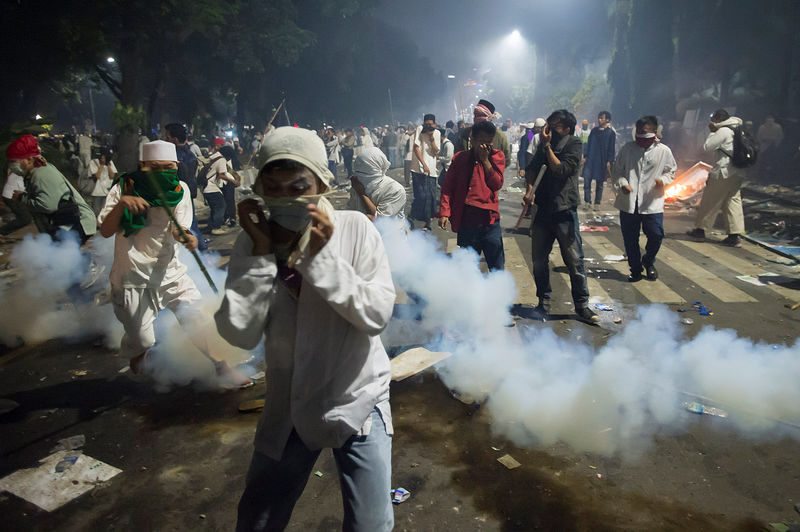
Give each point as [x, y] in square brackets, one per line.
[137, 309]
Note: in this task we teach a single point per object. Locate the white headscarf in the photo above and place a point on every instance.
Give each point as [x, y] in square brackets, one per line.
[370, 168]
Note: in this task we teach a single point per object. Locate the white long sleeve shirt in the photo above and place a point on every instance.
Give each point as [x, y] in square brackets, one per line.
[326, 366]
[149, 257]
[720, 143]
[639, 168]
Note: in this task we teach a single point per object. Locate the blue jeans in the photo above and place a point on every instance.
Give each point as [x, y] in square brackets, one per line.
[564, 227]
[652, 225]
[347, 156]
[332, 168]
[587, 190]
[229, 193]
[195, 229]
[487, 239]
[216, 203]
[365, 470]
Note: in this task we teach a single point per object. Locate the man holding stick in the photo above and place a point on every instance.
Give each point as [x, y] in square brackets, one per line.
[149, 212]
[557, 200]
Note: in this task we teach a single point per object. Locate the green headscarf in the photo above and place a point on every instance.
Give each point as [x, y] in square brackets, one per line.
[140, 183]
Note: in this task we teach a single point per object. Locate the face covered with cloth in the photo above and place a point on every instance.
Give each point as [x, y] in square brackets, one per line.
[156, 182]
[293, 184]
[370, 169]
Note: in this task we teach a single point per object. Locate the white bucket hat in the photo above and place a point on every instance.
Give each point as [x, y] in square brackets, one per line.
[299, 145]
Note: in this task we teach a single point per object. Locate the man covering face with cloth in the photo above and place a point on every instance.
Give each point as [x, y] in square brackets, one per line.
[316, 283]
[147, 275]
[373, 192]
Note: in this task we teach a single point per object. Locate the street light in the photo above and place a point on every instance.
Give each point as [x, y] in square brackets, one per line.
[110, 59]
[451, 76]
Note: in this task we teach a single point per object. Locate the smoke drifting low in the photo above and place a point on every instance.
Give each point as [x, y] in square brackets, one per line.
[540, 389]
[38, 308]
[50, 303]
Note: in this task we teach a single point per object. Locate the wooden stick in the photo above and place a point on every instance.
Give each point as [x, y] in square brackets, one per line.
[542, 170]
[274, 115]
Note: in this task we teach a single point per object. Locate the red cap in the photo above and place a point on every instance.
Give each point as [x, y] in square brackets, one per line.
[218, 141]
[24, 147]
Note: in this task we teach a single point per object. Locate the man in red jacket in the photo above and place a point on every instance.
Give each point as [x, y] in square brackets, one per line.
[469, 196]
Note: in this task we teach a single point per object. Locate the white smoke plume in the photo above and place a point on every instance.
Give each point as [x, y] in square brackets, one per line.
[539, 388]
[49, 302]
[38, 308]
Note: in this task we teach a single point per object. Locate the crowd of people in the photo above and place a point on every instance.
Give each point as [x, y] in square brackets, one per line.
[314, 282]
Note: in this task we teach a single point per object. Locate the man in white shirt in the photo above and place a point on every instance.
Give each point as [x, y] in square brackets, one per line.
[15, 183]
[217, 177]
[445, 157]
[315, 284]
[642, 170]
[333, 149]
[426, 146]
[104, 173]
[724, 181]
[147, 275]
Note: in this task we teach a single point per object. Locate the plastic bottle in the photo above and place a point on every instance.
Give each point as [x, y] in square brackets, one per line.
[699, 408]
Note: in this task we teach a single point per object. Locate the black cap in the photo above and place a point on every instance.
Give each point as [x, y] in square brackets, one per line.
[487, 104]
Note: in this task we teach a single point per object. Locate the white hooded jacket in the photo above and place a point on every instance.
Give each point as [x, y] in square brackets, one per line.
[388, 195]
[720, 143]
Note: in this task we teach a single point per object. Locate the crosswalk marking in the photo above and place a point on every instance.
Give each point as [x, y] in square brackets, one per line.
[655, 291]
[595, 290]
[518, 268]
[720, 289]
[741, 266]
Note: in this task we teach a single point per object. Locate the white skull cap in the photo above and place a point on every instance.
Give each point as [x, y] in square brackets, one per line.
[159, 150]
[299, 145]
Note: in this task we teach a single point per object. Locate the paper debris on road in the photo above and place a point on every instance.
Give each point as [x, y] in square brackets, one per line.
[750, 279]
[50, 490]
[413, 361]
[508, 461]
[614, 258]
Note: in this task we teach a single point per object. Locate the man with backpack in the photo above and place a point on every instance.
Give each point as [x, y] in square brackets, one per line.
[734, 151]
[187, 170]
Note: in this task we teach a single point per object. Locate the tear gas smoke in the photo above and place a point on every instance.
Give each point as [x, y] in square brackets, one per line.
[539, 389]
[50, 302]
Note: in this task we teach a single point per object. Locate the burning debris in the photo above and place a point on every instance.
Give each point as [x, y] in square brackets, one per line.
[688, 184]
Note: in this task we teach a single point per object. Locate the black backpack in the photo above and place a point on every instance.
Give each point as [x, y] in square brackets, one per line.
[202, 175]
[745, 148]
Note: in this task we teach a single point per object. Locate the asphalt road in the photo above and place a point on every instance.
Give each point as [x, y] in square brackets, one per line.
[184, 452]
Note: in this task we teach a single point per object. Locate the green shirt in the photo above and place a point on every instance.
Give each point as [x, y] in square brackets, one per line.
[45, 187]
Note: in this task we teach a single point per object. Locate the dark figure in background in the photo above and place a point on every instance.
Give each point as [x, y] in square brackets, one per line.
[556, 218]
[187, 170]
[599, 157]
[348, 144]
